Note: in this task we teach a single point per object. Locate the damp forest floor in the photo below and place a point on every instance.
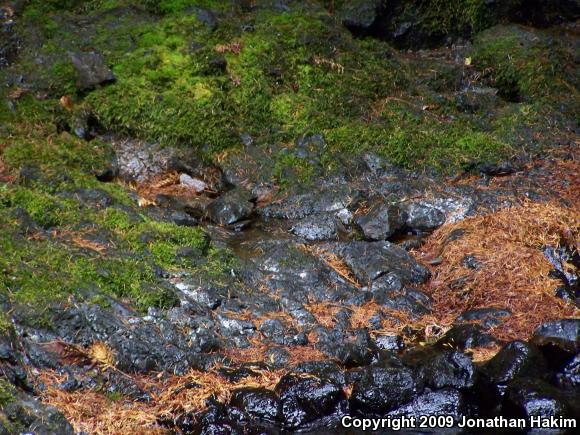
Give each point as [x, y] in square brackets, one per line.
[132, 303]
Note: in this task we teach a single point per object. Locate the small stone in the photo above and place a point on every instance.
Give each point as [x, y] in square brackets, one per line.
[91, 70]
[193, 183]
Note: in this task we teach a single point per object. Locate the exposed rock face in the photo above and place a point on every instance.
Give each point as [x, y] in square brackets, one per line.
[231, 207]
[91, 70]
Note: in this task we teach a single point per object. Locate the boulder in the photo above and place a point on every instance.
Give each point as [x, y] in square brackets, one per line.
[91, 69]
[231, 207]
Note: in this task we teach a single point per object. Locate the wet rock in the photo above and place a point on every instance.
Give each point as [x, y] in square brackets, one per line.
[351, 350]
[360, 14]
[231, 207]
[277, 357]
[381, 222]
[91, 70]
[139, 161]
[407, 300]
[569, 375]
[566, 262]
[96, 198]
[382, 389]
[440, 368]
[193, 206]
[470, 262]
[561, 334]
[27, 415]
[389, 342]
[257, 402]
[304, 399]
[515, 360]
[447, 401]
[192, 183]
[497, 170]
[299, 206]
[217, 419]
[316, 227]
[322, 369]
[369, 261]
[466, 336]
[486, 317]
[233, 326]
[210, 297]
[422, 216]
[533, 397]
[183, 219]
[286, 269]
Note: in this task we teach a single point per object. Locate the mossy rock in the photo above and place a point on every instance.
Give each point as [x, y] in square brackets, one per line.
[523, 63]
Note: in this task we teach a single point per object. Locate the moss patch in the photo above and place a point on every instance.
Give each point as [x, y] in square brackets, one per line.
[56, 245]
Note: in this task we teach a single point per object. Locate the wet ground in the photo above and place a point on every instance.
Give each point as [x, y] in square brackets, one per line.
[235, 295]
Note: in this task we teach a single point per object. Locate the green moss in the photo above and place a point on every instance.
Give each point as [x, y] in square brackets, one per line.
[7, 393]
[522, 63]
[456, 17]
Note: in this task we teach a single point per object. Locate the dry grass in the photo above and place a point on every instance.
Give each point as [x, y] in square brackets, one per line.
[168, 184]
[96, 413]
[514, 272]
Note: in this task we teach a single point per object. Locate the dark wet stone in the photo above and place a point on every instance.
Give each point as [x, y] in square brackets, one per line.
[466, 336]
[470, 262]
[569, 375]
[486, 317]
[70, 384]
[236, 374]
[232, 326]
[516, 359]
[351, 350]
[440, 368]
[304, 399]
[322, 369]
[193, 206]
[272, 328]
[231, 207]
[390, 342]
[210, 297]
[277, 357]
[561, 334]
[183, 219]
[299, 206]
[369, 261]
[381, 222]
[296, 276]
[217, 419]
[139, 161]
[408, 300]
[422, 216]
[96, 198]
[256, 402]
[316, 227]
[447, 402]
[533, 397]
[382, 389]
[497, 170]
[107, 175]
[91, 69]
[30, 414]
[566, 262]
